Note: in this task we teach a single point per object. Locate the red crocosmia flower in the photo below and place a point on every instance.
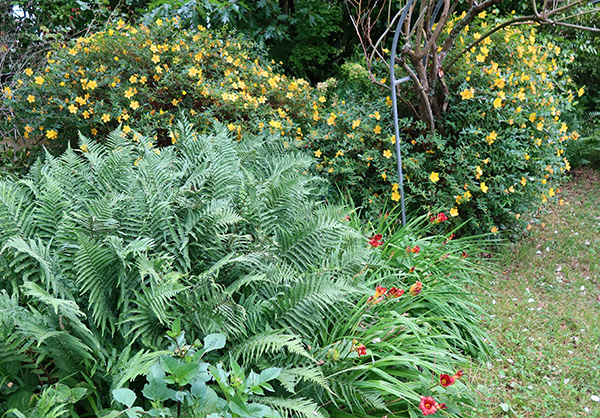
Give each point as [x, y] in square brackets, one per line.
[377, 237]
[416, 288]
[464, 255]
[379, 291]
[441, 406]
[361, 350]
[446, 380]
[428, 405]
[411, 269]
[395, 292]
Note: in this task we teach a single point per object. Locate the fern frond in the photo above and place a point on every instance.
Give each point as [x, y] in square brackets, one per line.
[95, 265]
[292, 407]
[270, 342]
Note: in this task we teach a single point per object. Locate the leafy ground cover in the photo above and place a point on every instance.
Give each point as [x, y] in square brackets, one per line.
[545, 306]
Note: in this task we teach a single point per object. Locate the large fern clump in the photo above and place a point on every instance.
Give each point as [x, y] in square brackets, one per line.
[105, 247]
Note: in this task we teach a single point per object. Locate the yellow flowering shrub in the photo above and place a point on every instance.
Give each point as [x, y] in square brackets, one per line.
[504, 139]
[144, 77]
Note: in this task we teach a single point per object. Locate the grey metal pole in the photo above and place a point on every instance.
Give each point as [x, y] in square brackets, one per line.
[395, 82]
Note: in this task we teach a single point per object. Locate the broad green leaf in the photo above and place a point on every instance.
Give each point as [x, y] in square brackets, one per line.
[269, 374]
[157, 390]
[214, 342]
[124, 396]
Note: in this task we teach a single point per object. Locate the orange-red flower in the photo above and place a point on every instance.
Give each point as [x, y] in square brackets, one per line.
[429, 406]
[446, 380]
[378, 296]
[416, 288]
[440, 217]
[375, 240]
[414, 249]
[395, 292]
[361, 350]
[379, 291]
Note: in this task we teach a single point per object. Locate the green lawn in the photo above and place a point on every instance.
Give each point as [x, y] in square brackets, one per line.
[545, 314]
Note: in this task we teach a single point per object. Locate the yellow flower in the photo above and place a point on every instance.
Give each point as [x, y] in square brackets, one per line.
[384, 176]
[29, 72]
[51, 134]
[478, 172]
[494, 229]
[91, 85]
[523, 181]
[331, 119]
[497, 102]
[130, 92]
[133, 79]
[376, 115]
[580, 92]
[454, 212]
[72, 108]
[484, 188]
[532, 117]
[540, 126]
[39, 80]
[467, 94]
[387, 153]
[527, 156]
[31, 98]
[105, 118]
[134, 104]
[500, 83]
[355, 124]
[377, 129]
[155, 59]
[395, 196]
[318, 153]
[491, 137]
[322, 99]
[159, 22]
[83, 147]
[563, 128]
[551, 192]
[126, 129]
[434, 177]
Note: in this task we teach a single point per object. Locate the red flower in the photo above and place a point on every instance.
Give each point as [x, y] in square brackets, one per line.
[440, 217]
[395, 292]
[375, 240]
[428, 405]
[464, 255]
[458, 374]
[414, 249]
[446, 380]
[416, 288]
[379, 291]
[361, 350]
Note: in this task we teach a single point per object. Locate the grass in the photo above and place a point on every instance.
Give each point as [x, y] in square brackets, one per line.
[545, 314]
